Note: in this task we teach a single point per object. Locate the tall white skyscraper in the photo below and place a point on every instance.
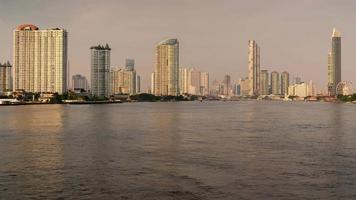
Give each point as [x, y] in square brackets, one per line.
[166, 80]
[254, 67]
[334, 63]
[5, 77]
[40, 59]
[100, 70]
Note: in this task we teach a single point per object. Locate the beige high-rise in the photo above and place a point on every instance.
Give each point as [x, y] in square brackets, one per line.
[275, 83]
[284, 83]
[253, 67]
[123, 81]
[166, 80]
[264, 83]
[40, 59]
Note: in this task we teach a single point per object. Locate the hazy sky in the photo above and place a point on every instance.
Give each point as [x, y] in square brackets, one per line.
[294, 35]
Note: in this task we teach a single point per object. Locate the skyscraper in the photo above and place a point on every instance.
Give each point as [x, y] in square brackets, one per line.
[79, 82]
[152, 88]
[334, 62]
[253, 67]
[226, 85]
[275, 84]
[183, 80]
[264, 83]
[5, 77]
[284, 83]
[166, 80]
[100, 70]
[40, 59]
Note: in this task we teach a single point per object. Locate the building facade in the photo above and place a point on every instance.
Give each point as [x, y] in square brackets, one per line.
[275, 84]
[166, 79]
[100, 70]
[334, 63]
[264, 82]
[79, 82]
[40, 59]
[5, 77]
[284, 83]
[254, 67]
[138, 84]
[122, 81]
[204, 83]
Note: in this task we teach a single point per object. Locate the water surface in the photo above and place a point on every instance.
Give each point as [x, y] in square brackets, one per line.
[184, 150]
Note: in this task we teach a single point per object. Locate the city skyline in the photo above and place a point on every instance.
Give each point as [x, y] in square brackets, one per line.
[297, 49]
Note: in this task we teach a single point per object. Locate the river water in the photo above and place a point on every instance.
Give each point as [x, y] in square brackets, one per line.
[182, 150]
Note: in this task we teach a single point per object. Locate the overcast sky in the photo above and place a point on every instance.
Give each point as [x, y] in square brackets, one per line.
[294, 35]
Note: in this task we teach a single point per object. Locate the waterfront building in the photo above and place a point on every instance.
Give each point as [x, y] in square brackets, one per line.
[275, 84]
[40, 59]
[79, 82]
[138, 84]
[215, 88]
[152, 88]
[100, 70]
[299, 90]
[334, 63]
[264, 83]
[122, 81]
[183, 80]
[236, 89]
[227, 85]
[5, 77]
[253, 67]
[244, 86]
[166, 80]
[312, 88]
[204, 83]
[284, 83]
[194, 81]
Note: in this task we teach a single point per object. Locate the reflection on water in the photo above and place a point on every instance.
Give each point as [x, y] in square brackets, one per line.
[190, 150]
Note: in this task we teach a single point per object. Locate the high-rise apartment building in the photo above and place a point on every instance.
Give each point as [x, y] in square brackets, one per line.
[166, 80]
[254, 67]
[284, 83]
[264, 82]
[152, 88]
[79, 82]
[275, 84]
[40, 59]
[183, 80]
[334, 62]
[5, 77]
[122, 81]
[100, 70]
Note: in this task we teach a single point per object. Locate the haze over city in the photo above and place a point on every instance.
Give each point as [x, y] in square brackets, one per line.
[294, 36]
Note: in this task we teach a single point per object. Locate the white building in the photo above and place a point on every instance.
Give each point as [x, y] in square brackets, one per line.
[100, 70]
[40, 59]
[254, 67]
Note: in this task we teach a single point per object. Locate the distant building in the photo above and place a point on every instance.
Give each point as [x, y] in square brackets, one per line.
[275, 83]
[312, 89]
[299, 90]
[152, 88]
[5, 77]
[138, 84]
[227, 85]
[284, 83]
[100, 70]
[40, 59]
[264, 83]
[204, 83]
[166, 79]
[334, 63]
[122, 81]
[215, 88]
[244, 86]
[130, 64]
[254, 67]
[79, 82]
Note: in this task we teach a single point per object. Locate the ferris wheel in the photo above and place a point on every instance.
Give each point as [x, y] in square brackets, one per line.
[344, 88]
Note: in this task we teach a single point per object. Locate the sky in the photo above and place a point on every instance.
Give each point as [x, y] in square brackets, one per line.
[294, 35]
